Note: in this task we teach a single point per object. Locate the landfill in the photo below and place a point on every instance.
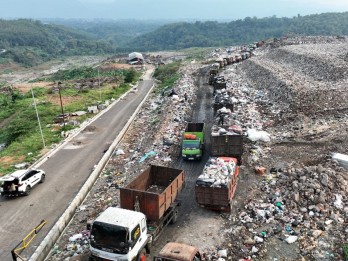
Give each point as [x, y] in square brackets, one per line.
[290, 103]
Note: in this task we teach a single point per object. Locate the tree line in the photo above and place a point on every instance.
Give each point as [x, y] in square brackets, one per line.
[244, 31]
[30, 42]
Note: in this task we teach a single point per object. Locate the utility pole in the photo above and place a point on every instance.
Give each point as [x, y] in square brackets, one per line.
[99, 86]
[37, 116]
[61, 104]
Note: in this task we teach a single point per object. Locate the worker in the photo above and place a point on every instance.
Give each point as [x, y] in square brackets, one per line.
[12, 187]
[185, 96]
[221, 119]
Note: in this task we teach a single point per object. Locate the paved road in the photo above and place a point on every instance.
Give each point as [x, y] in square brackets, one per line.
[67, 170]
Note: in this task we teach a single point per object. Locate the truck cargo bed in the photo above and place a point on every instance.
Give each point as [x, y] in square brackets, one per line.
[227, 145]
[153, 191]
[217, 198]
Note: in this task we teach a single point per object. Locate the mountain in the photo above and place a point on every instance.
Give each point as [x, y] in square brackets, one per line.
[207, 34]
[30, 42]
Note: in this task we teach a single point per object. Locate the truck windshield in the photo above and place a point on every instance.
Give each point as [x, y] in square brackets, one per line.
[110, 238]
[190, 145]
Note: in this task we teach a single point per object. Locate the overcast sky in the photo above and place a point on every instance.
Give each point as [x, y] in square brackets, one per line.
[166, 9]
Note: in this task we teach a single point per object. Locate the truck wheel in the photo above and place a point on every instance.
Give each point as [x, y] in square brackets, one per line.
[175, 217]
[142, 255]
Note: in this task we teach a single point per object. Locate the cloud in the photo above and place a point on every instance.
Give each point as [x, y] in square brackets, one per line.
[319, 3]
[98, 1]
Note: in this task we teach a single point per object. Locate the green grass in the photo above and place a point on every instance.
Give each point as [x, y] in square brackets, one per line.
[345, 251]
[196, 53]
[167, 75]
[20, 130]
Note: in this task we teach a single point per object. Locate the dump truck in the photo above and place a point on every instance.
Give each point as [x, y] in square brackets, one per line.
[219, 84]
[216, 186]
[173, 251]
[147, 205]
[214, 79]
[227, 146]
[192, 146]
[222, 99]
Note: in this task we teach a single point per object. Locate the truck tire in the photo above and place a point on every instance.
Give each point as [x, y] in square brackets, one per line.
[175, 216]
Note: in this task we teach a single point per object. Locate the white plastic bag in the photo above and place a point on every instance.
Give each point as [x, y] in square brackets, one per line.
[291, 239]
[255, 135]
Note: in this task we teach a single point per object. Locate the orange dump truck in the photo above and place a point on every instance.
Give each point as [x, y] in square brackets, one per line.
[216, 186]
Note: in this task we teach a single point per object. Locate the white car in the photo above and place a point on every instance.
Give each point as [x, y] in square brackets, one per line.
[21, 182]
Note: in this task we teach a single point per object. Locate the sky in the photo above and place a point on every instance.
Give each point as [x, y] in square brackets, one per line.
[166, 9]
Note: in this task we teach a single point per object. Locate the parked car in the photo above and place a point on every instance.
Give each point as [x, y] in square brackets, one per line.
[21, 182]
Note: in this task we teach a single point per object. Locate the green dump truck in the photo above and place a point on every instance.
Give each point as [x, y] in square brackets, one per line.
[193, 141]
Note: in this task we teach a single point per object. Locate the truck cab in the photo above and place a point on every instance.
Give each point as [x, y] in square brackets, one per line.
[173, 251]
[192, 145]
[118, 234]
[192, 149]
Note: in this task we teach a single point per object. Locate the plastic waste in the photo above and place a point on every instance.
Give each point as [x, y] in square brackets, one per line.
[338, 201]
[291, 239]
[260, 170]
[255, 135]
[341, 158]
[147, 155]
[120, 152]
[75, 237]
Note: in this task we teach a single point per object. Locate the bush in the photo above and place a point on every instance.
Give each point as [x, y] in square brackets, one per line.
[345, 251]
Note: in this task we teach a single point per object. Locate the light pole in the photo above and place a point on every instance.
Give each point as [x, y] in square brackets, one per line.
[99, 86]
[37, 116]
[61, 105]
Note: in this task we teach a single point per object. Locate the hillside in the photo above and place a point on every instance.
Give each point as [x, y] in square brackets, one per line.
[117, 32]
[205, 34]
[31, 42]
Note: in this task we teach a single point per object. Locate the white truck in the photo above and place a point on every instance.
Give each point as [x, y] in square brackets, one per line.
[119, 234]
[147, 205]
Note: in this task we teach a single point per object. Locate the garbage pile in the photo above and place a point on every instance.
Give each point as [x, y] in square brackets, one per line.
[309, 78]
[306, 204]
[218, 172]
[223, 98]
[299, 210]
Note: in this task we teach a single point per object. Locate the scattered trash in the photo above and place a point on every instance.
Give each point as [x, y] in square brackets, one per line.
[119, 152]
[255, 135]
[291, 239]
[260, 170]
[151, 153]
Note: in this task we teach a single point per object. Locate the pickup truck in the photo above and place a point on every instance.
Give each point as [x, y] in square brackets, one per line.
[216, 186]
[147, 205]
[192, 145]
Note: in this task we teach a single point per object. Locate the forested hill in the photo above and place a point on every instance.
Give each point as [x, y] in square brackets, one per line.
[206, 34]
[30, 42]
